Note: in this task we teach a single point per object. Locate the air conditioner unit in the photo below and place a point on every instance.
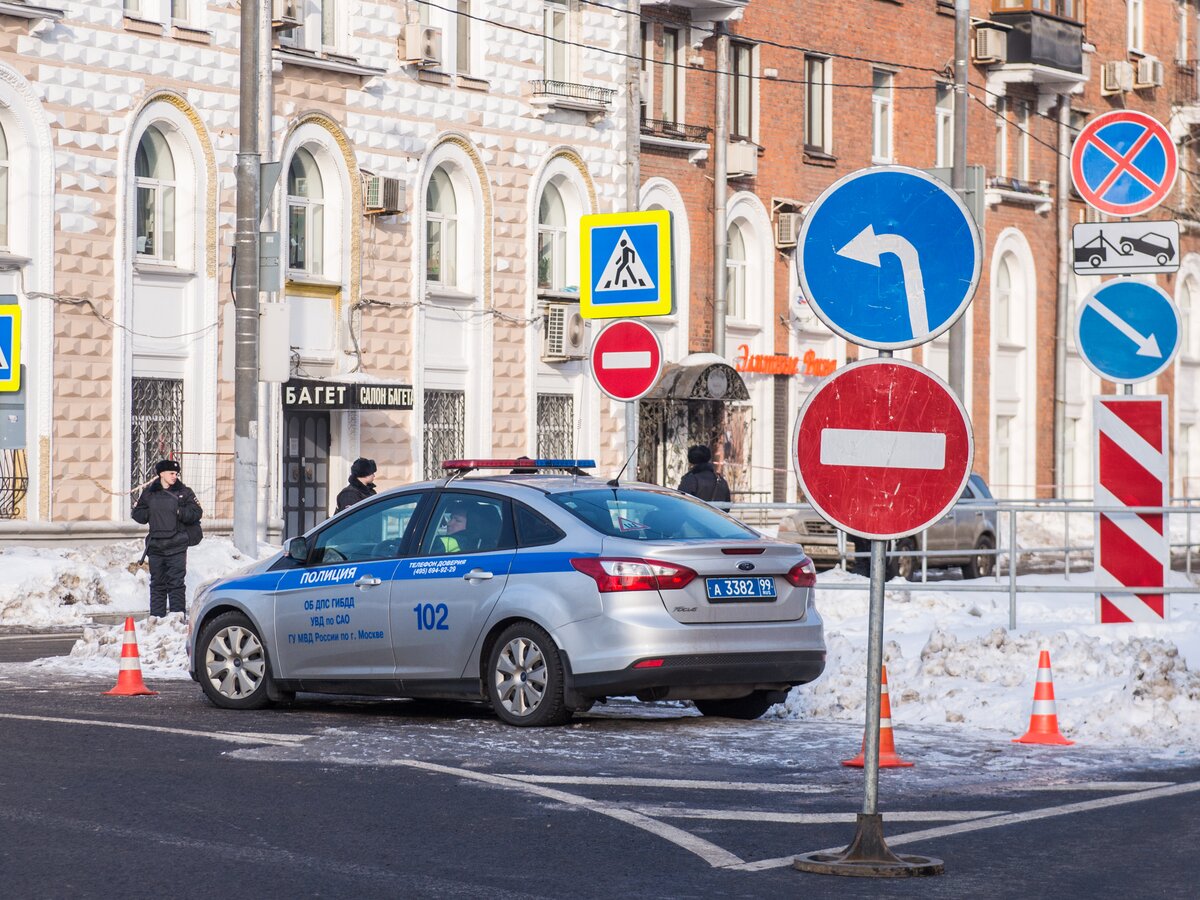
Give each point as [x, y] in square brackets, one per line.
[787, 229]
[422, 45]
[382, 196]
[991, 45]
[741, 160]
[1116, 77]
[1149, 73]
[285, 15]
[566, 333]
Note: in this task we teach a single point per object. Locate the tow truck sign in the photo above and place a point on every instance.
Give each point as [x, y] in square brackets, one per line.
[1125, 248]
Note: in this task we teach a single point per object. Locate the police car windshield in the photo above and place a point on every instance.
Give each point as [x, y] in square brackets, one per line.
[642, 515]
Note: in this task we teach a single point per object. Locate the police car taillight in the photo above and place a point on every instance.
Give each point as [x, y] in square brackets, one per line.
[803, 574]
[615, 574]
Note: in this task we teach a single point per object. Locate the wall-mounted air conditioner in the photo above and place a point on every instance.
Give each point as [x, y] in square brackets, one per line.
[991, 45]
[1116, 77]
[566, 333]
[382, 196]
[285, 15]
[1149, 73]
[787, 229]
[741, 160]
[421, 45]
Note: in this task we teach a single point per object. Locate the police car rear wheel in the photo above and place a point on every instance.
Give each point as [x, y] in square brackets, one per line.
[749, 707]
[234, 670]
[525, 678]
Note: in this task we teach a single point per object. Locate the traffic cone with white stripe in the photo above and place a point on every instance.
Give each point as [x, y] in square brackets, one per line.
[888, 757]
[1043, 722]
[129, 678]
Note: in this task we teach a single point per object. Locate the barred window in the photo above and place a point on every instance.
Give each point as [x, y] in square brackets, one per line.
[445, 429]
[556, 426]
[156, 430]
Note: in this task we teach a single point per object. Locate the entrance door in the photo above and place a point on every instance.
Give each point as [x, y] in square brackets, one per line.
[305, 471]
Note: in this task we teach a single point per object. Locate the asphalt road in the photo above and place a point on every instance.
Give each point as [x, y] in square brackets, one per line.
[167, 796]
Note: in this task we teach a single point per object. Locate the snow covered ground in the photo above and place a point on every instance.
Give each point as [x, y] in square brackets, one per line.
[951, 660]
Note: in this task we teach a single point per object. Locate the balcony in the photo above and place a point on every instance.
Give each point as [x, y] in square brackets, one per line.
[589, 99]
[677, 136]
[1044, 48]
[1183, 79]
[703, 10]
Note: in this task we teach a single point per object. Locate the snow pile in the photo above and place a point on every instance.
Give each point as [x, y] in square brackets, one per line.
[162, 649]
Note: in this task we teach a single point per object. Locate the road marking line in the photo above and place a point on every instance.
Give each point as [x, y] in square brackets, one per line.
[715, 856]
[628, 359]
[684, 784]
[996, 822]
[883, 449]
[749, 815]
[1103, 786]
[246, 737]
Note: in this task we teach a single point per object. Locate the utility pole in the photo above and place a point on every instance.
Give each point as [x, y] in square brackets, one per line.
[958, 180]
[245, 291]
[633, 167]
[1064, 287]
[720, 181]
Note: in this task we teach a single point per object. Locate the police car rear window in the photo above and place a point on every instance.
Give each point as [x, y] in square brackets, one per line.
[643, 515]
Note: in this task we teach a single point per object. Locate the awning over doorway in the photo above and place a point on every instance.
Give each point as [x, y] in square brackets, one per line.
[699, 376]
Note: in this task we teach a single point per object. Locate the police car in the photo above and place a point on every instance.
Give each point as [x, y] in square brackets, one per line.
[539, 592]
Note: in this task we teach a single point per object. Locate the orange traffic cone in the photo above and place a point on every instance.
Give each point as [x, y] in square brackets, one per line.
[888, 757]
[1043, 722]
[129, 679]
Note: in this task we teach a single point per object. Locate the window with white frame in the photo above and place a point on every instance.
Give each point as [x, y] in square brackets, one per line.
[735, 273]
[741, 90]
[3, 190]
[1185, 460]
[556, 20]
[1070, 451]
[133, 7]
[818, 95]
[672, 75]
[944, 114]
[1002, 469]
[1002, 302]
[881, 115]
[462, 37]
[645, 63]
[1137, 24]
[180, 10]
[552, 240]
[453, 20]
[154, 178]
[1189, 332]
[1182, 45]
[1024, 110]
[441, 230]
[319, 26]
[1001, 137]
[306, 215]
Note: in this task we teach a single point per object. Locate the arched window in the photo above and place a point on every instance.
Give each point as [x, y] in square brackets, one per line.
[306, 215]
[3, 190]
[735, 273]
[1189, 335]
[1002, 309]
[441, 230]
[552, 240]
[154, 175]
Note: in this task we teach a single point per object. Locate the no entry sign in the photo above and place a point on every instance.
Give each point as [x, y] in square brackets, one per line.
[883, 448]
[626, 359]
[1124, 163]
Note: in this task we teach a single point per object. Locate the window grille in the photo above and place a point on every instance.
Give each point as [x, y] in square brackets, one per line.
[555, 426]
[445, 429]
[156, 429]
[14, 483]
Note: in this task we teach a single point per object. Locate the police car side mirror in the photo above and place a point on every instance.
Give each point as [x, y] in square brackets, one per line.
[297, 549]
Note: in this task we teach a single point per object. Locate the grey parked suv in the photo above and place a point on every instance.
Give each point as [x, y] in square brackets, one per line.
[969, 527]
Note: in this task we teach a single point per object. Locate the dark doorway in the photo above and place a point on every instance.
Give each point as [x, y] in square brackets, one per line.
[305, 471]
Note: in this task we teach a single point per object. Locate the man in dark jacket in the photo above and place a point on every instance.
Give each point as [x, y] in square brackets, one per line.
[168, 506]
[702, 480]
[361, 486]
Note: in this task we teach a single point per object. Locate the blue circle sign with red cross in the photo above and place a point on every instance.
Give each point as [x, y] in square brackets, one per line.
[1124, 163]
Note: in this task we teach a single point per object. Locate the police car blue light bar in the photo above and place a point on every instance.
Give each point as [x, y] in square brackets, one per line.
[522, 462]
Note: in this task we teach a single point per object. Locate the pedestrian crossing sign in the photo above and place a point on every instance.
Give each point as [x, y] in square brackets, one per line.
[10, 347]
[626, 265]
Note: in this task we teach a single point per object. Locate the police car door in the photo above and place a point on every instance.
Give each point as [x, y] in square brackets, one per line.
[442, 596]
[332, 614]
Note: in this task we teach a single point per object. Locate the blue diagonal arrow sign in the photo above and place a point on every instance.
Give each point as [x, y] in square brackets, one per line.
[1127, 331]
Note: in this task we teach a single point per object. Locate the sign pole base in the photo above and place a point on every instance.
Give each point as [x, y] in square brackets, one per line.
[868, 856]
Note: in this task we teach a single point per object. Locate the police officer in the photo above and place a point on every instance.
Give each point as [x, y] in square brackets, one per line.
[361, 486]
[168, 506]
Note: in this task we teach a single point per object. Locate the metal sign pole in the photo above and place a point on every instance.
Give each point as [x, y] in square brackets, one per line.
[874, 677]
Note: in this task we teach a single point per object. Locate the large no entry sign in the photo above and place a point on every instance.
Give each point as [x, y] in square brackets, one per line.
[1124, 163]
[883, 448]
[626, 359]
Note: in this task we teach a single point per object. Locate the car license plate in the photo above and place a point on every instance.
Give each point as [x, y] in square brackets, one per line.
[726, 590]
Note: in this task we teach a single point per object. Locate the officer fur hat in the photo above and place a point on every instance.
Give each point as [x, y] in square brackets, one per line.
[699, 454]
[362, 467]
[165, 465]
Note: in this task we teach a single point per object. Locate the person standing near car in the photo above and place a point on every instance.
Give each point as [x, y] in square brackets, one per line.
[361, 486]
[168, 506]
[702, 480]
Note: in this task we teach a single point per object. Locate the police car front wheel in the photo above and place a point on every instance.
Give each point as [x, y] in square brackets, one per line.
[525, 677]
[235, 673]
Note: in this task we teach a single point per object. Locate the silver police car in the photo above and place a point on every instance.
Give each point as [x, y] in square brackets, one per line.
[540, 593]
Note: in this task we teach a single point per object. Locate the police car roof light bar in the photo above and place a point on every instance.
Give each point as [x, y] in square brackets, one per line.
[524, 462]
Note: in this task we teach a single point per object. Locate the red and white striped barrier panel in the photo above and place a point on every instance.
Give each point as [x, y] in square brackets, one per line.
[1131, 470]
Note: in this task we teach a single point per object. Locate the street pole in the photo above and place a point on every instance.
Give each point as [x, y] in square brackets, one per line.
[633, 174]
[1064, 282]
[720, 181]
[245, 292]
[957, 349]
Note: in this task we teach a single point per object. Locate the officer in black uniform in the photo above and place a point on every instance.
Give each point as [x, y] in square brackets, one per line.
[168, 506]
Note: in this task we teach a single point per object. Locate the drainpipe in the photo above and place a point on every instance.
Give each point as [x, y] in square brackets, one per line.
[633, 167]
[266, 392]
[1064, 276]
[720, 149]
[957, 348]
